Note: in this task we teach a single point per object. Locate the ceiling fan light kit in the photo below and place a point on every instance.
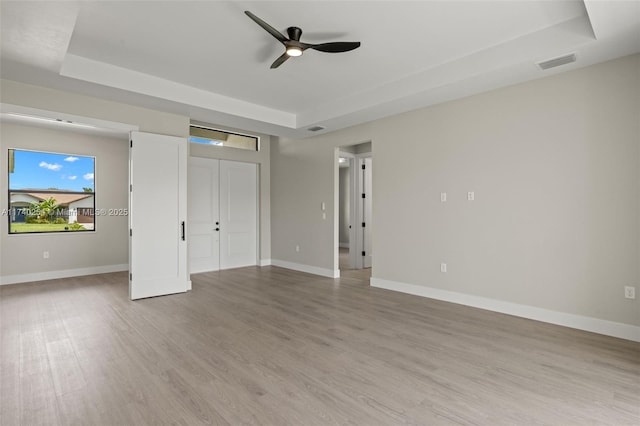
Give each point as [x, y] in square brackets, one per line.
[294, 47]
[294, 51]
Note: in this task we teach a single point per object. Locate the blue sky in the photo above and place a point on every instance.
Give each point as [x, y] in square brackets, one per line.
[44, 170]
[205, 141]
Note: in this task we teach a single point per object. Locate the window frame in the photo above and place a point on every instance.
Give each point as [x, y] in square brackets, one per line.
[229, 132]
[10, 209]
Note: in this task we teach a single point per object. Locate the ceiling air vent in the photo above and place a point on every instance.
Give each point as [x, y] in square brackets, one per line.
[315, 128]
[556, 62]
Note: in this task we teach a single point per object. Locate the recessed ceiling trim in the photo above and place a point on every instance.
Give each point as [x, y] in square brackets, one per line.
[154, 71]
[446, 76]
[27, 114]
[109, 75]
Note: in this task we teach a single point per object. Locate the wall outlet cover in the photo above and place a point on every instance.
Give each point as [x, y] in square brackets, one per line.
[629, 292]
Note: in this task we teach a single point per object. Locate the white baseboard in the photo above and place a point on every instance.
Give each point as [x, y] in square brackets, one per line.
[344, 245]
[595, 325]
[307, 268]
[66, 273]
[265, 262]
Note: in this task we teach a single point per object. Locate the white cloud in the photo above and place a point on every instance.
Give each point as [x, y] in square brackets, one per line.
[88, 176]
[72, 177]
[71, 159]
[54, 167]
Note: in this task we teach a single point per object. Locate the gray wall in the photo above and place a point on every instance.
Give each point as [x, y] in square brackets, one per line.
[554, 164]
[109, 244]
[363, 148]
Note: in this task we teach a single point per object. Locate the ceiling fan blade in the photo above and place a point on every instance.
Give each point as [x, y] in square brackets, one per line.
[335, 47]
[268, 28]
[279, 61]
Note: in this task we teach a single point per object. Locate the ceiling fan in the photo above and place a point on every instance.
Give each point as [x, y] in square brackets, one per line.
[293, 45]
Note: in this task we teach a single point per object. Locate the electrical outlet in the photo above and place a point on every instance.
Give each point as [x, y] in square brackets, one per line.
[45, 254]
[443, 267]
[471, 196]
[443, 197]
[297, 249]
[629, 292]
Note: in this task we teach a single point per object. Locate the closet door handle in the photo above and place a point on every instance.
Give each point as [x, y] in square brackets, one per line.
[182, 226]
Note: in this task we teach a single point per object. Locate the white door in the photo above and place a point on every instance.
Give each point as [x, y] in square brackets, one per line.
[238, 214]
[204, 219]
[367, 212]
[157, 215]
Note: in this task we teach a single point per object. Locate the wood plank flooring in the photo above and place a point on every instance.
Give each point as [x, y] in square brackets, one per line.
[269, 346]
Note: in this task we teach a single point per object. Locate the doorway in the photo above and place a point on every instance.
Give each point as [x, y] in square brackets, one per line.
[223, 214]
[355, 196]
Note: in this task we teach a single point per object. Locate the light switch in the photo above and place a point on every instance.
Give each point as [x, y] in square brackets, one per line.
[443, 197]
[471, 195]
[323, 206]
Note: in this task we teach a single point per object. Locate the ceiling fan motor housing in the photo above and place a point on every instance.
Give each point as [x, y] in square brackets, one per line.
[294, 33]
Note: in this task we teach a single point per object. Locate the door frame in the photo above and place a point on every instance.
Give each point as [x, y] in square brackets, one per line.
[352, 208]
[360, 218]
[258, 196]
[356, 208]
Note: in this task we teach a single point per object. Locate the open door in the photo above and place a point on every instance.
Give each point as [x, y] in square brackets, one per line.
[157, 215]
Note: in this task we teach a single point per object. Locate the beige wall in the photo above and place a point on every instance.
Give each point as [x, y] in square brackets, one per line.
[108, 245]
[554, 164]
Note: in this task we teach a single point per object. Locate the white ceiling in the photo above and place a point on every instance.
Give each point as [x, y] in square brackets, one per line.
[208, 60]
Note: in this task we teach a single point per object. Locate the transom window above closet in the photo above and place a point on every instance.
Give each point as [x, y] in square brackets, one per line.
[215, 137]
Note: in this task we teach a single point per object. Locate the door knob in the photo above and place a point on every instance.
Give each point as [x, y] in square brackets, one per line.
[217, 229]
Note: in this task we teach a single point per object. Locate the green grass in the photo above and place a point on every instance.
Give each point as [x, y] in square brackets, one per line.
[39, 227]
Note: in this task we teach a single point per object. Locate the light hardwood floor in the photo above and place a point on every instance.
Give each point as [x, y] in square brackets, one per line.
[343, 258]
[276, 347]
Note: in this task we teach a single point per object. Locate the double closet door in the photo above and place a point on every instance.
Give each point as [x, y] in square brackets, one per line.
[223, 214]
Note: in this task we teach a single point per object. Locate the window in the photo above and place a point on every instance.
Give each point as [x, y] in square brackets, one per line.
[50, 192]
[213, 137]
